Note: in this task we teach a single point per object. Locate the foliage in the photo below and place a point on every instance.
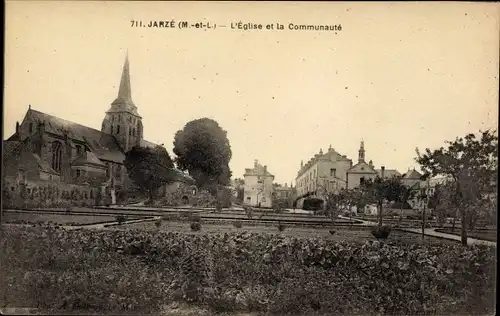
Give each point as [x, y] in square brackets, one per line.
[379, 190]
[158, 223]
[381, 232]
[136, 271]
[195, 226]
[237, 224]
[342, 201]
[121, 219]
[203, 149]
[281, 227]
[150, 168]
[471, 164]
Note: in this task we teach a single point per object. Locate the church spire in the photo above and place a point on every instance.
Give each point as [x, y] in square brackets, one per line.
[125, 91]
[361, 152]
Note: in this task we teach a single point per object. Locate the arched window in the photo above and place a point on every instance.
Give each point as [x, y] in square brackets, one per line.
[129, 132]
[111, 129]
[117, 129]
[56, 156]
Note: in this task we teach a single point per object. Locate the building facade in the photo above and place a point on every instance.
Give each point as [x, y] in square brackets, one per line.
[324, 173]
[47, 148]
[258, 187]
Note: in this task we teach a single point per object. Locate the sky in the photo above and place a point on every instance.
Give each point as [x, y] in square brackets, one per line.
[398, 75]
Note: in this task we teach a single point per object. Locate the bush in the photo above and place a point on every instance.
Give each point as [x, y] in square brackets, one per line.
[381, 232]
[195, 226]
[237, 224]
[121, 219]
[158, 223]
[281, 227]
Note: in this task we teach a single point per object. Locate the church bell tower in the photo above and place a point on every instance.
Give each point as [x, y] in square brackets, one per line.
[122, 119]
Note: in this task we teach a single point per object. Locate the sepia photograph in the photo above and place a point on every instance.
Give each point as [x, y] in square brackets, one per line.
[237, 158]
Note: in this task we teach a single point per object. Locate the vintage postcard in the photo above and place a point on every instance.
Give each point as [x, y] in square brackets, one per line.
[249, 158]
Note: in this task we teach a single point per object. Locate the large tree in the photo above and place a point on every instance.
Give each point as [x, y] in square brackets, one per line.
[471, 164]
[150, 168]
[203, 149]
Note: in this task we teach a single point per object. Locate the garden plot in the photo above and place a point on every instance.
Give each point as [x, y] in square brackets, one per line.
[357, 234]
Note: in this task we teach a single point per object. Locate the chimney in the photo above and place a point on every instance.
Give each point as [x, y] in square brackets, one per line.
[286, 185]
[17, 127]
[255, 163]
[383, 171]
[265, 169]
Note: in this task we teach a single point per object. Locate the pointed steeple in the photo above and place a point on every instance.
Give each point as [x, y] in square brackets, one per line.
[123, 102]
[125, 92]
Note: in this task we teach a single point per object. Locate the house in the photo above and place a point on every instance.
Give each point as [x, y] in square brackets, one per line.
[258, 186]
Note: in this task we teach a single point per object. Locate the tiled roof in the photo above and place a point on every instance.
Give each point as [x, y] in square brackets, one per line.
[389, 173]
[87, 158]
[103, 145]
[412, 174]
[364, 165]
[257, 172]
[9, 145]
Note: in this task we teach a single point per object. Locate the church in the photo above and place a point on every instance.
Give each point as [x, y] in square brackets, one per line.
[49, 149]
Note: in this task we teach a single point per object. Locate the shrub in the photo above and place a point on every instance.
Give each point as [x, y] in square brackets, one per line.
[121, 219]
[281, 227]
[195, 226]
[237, 224]
[158, 223]
[381, 232]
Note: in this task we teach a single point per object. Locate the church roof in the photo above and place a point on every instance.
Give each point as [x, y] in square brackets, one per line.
[43, 165]
[103, 145]
[9, 145]
[87, 158]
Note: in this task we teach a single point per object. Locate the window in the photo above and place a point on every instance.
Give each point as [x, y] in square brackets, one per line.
[56, 156]
[107, 169]
[362, 180]
[117, 129]
[133, 132]
[78, 173]
[333, 172]
[31, 128]
[129, 132]
[111, 129]
[78, 149]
